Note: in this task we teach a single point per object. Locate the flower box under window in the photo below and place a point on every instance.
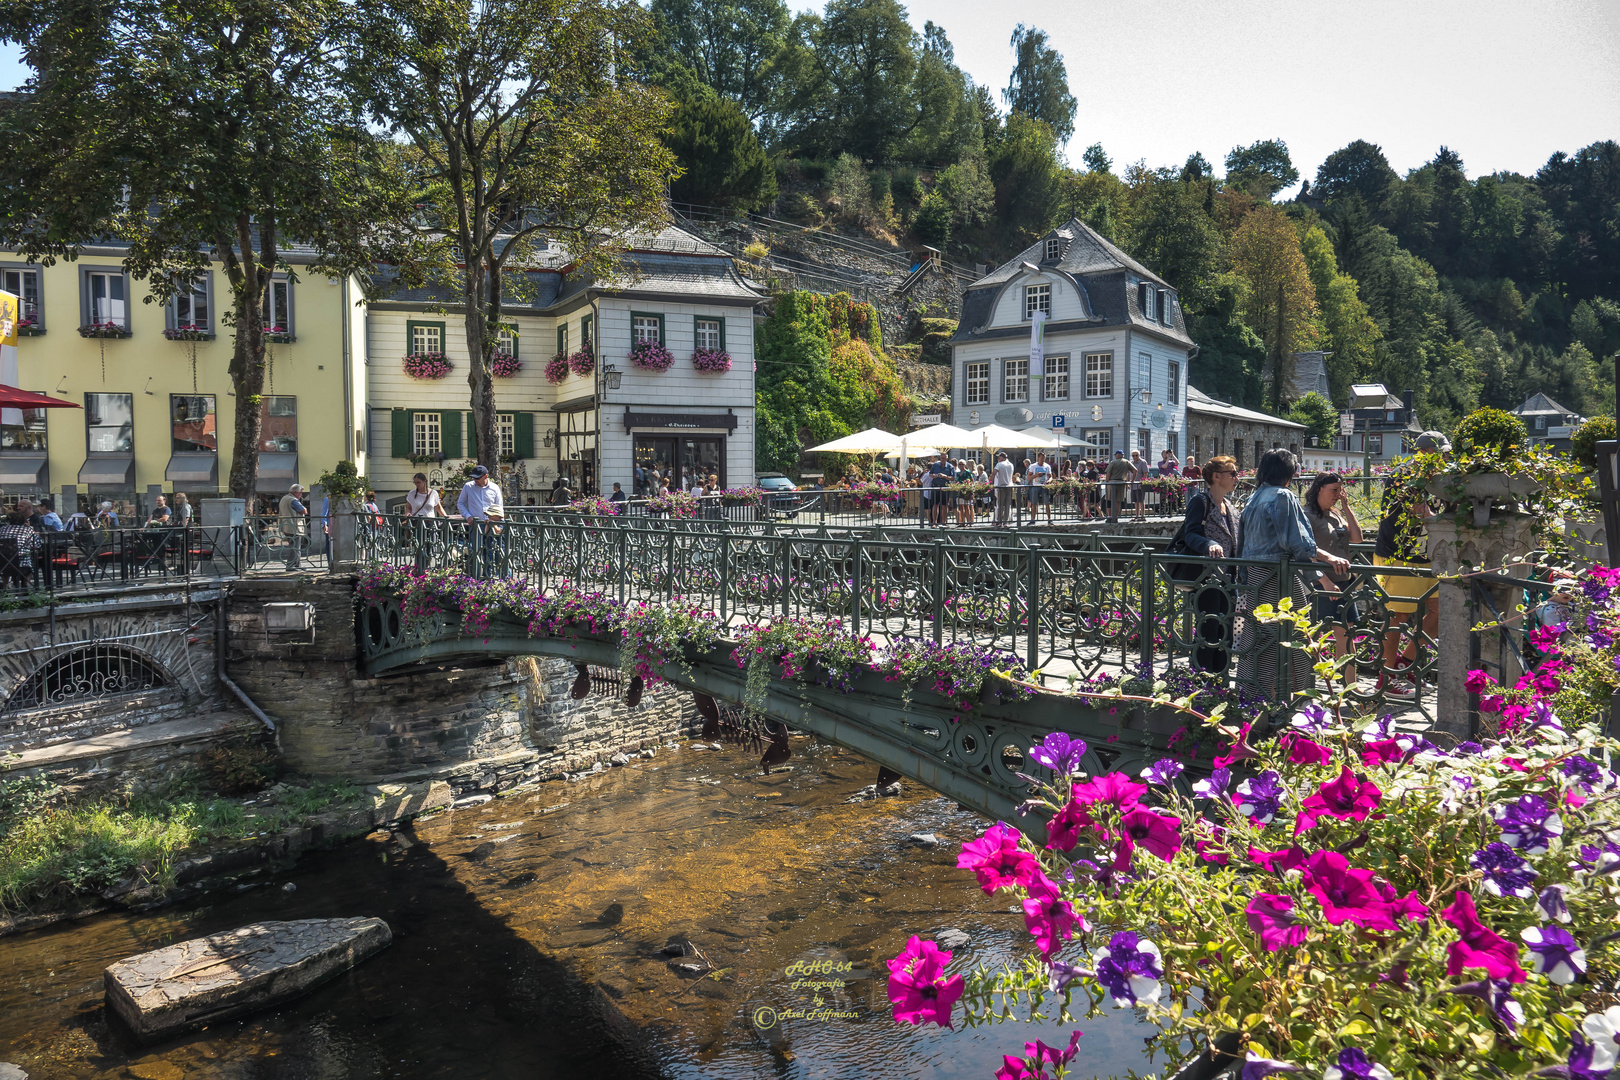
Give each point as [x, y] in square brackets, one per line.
[104, 330]
[189, 332]
[427, 365]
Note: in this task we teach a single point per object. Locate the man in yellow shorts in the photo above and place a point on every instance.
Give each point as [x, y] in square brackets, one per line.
[1403, 541]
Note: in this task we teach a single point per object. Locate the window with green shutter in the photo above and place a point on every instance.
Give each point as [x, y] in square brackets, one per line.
[450, 433]
[585, 330]
[709, 332]
[645, 326]
[562, 337]
[401, 421]
[523, 435]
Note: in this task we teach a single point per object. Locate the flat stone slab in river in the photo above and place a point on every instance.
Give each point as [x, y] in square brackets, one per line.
[212, 978]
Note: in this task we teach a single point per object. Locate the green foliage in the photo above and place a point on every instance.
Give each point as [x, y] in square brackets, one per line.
[1024, 168]
[723, 161]
[933, 221]
[966, 187]
[1584, 439]
[906, 187]
[1490, 429]
[1096, 160]
[344, 481]
[240, 766]
[1039, 86]
[728, 46]
[1263, 169]
[1318, 415]
[1349, 332]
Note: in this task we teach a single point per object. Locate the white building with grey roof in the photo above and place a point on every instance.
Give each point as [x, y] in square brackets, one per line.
[1116, 349]
[606, 415]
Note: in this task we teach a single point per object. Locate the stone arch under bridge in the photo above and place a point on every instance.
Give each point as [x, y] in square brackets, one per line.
[106, 654]
[976, 760]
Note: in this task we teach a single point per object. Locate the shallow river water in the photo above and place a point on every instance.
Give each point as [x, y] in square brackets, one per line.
[527, 936]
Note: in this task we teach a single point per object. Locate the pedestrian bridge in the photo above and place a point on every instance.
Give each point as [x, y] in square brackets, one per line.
[1070, 606]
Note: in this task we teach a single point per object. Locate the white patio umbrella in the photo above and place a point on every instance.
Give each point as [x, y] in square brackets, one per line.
[1055, 439]
[996, 437]
[945, 436]
[870, 441]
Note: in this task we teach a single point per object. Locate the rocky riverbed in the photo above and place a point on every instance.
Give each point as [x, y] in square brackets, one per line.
[682, 916]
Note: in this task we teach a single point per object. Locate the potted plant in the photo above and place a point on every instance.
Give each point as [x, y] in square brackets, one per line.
[713, 361]
[279, 335]
[107, 329]
[1487, 469]
[188, 332]
[28, 326]
[583, 360]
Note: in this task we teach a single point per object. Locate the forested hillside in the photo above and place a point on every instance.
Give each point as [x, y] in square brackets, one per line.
[1469, 290]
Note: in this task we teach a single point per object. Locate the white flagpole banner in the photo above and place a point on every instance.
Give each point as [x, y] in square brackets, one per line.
[1037, 347]
[10, 307]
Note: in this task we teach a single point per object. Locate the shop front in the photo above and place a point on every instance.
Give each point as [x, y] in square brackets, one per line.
[681, 449]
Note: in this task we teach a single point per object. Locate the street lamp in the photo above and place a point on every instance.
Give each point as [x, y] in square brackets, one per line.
[611, 376]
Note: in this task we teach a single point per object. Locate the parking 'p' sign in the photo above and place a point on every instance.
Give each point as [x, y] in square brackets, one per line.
[1058, 421]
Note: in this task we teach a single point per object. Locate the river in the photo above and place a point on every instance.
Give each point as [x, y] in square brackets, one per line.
[527, 938]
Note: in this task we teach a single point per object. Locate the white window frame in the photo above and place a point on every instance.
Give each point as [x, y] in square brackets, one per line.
[423, 337]
[506, 433]
[185, 302]
[1015, 381]
[1142, 375]
[1174, 391]
[646, 328]
[1099, 375]
[1037, 298]
[427, 433]
[706, 334]
[1053, 250]
[506, 340]
[976, 383]
[284, 287]
[1373, 444]
[120, 317]
[1056, 381]
[1144, 442]
[28, 307]
[1099, 443]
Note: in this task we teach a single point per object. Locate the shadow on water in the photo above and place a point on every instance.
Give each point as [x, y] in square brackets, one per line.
[547, 935]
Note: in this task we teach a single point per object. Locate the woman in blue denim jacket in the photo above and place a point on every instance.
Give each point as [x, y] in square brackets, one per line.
[1272, 526]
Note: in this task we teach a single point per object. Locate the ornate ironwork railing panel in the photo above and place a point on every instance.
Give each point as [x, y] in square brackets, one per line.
[85, 674]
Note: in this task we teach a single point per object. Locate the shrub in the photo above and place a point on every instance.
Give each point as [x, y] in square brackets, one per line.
[801, 208]
[754, 251]
[1585, 438]
[1491, 429]
[906, 186]
[235, 768]
[344, 481]
[933, 221]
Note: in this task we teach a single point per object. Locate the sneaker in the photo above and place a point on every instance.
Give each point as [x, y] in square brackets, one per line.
[1396, 687]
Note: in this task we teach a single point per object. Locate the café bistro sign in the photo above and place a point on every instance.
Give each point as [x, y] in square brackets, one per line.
[726, 421]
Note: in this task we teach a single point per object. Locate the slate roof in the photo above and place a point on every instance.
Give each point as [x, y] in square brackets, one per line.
[1200, 402]
[1541, 403]
[1085, 251]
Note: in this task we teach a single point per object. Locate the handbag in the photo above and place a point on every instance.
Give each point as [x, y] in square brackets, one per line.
[1183, 572]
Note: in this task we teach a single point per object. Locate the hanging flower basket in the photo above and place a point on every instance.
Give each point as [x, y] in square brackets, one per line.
[650, 356]
[189, 332]
[107, 329]
[557, 368]
[279, 335]
[504, 365]
[28, 328]
[428, 365]
[714, 361]
[583, 361]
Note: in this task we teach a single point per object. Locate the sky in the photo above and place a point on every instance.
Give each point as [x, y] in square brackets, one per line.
[1503, 84]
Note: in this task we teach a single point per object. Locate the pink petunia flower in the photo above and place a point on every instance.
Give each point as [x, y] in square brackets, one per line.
[997, 860]
[1278, 862]
[1272, 917]
[1302, 751]
[1478, 945]
[1240, 750]
[1063, 831]
[1478, 680]
[917, 989]
[1157, 832]
[1346, 894]
[1049, 917]
[1116, 789]
[1344, 798]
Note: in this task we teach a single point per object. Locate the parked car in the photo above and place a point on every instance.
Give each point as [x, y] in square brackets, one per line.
[780, 497]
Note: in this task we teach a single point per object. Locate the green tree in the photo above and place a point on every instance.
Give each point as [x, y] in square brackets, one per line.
[1360, 168]
[523, 128]
[1348, 331]
[1039, 86]
[1095, 160]
[1172, 235]
[1231, 357]
[865, 60]
[213, 130]
[933, 221]
[1262, 168]
[729, 45]
[1280, 303]
[1320, 418]
[723, 163]
[1025, 170]
[967, 189]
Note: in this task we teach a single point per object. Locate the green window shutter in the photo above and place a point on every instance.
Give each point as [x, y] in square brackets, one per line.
[401, 419]
[661, 339]
[450, 433]
[562, 338]
[472, 435]
[722, 321]
[585, 327]
[523, 434]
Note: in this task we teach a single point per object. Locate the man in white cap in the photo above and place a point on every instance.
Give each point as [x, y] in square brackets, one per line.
[480, 501]
[290, 516]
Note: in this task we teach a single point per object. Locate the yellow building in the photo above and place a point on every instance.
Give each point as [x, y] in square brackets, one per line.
[153, 379]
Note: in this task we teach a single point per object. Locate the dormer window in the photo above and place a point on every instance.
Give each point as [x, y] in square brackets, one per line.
[1037, 298]
[1164, 308]
[1054, 250]
[1144, 300]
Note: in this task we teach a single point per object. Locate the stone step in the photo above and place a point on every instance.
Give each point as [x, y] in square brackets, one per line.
[207, 979]
[147, 745]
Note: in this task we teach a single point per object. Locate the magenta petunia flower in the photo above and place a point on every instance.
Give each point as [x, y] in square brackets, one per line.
[1157, 832]
[917, 986]
[1478, 945]
[1239, 751]
[1345, 798]
[1302, 751]
[1116, 789]
[1478, 680]
[1272, 917]
[1042, 1055]
[1278, 862]
[1049, 917]
[997, 860]
[1063, 831]
[1346, 894]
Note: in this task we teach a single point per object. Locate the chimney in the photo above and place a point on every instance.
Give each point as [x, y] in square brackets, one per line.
[1406, 399]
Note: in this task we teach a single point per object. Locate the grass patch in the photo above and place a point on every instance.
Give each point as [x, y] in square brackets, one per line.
[51, 851]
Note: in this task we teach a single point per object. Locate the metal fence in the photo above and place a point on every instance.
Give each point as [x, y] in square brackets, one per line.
[49, 563]
[1068, 604]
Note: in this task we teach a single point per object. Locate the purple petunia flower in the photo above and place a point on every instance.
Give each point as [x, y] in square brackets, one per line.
[1593, 1056]
[1215, 786]
[1259, 797]
[1468, 749]
[1498, 994]
[1059, 753]
[1551, 903]
[1063, 974]
[1555, 953]
[1589, 775]
[1162, 772]
[1258, 1068]
[1354, 1065]
[1595, 591]
[1506, 871]
[1600, 639]
[1130, 969]
[1528, 824]
[1312, 719]
[1377, 730]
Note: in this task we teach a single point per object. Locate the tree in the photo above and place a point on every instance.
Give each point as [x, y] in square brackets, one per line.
[1095, 160]
[1230, 355]
[1262, 169]
[1025, 170]
[216, 130]
[933, 221]
[864, 55]
[1172, 235]
[523, 128]
[967, 189]
[730, 45]
[1360, 168]
[1197, 167]
[1318, 415]
[1280, 304]
[1039, 86]
[1348, 331]
[723, 163]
